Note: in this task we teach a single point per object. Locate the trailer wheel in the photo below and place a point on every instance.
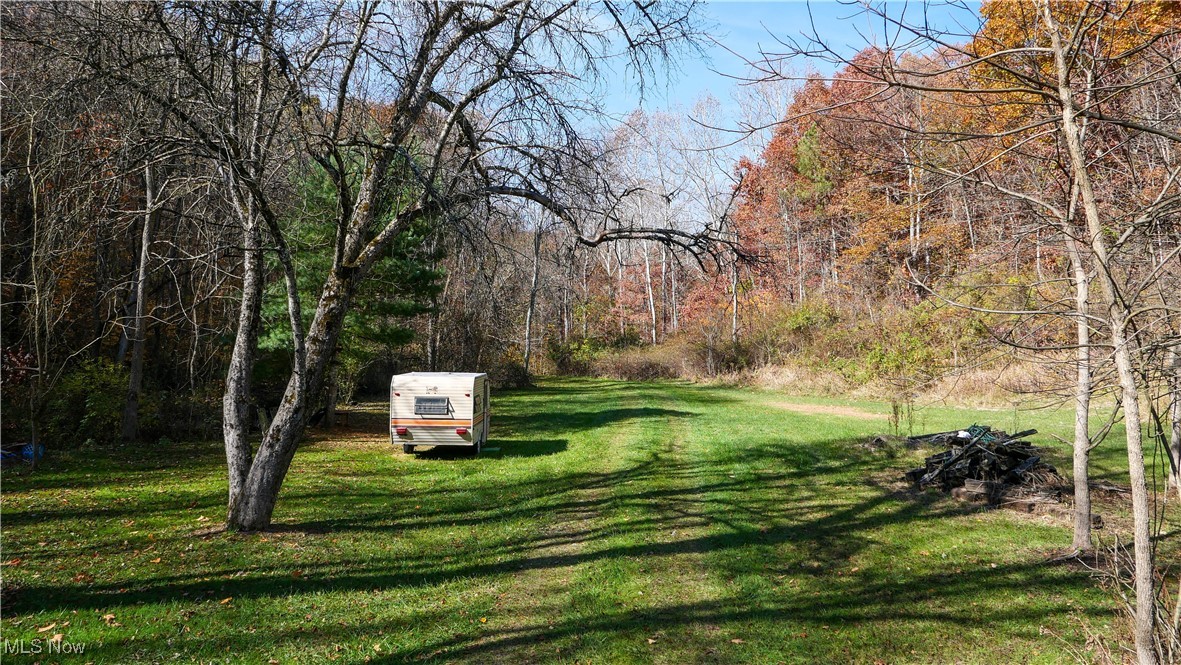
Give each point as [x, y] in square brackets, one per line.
[407, 448]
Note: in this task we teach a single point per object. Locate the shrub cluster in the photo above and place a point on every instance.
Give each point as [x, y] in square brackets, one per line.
[901, 347]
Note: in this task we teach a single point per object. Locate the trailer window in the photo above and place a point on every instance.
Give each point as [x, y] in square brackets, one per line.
[432, 406]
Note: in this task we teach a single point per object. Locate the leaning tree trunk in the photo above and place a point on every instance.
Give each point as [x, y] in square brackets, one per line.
[1082, 403]
[252, 509]
[236, 407]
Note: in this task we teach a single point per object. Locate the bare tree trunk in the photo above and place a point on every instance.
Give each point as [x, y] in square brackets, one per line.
[433, 331]
[1141, 516]
[566, 309]
[836, 278]
[532, 297]
[968, 217]
[255, 504]
[651, 296]
[619, 293]
[664, 291]
[236, 407]
[800, 263]
[585, 295]
[1173, 367]
[430, 337]
[1118, 319]
[137, 327]
[40, 298]
[1082, 402]
[734, 302]
[676, 318]
[709, 354]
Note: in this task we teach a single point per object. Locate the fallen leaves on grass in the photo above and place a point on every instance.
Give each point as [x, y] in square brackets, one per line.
[48, 628]
[225, 601]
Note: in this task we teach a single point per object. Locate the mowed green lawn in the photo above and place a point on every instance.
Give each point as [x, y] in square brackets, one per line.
[617, 522]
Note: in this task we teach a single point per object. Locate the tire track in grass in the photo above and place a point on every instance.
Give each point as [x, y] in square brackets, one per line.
[643, 601]
[528, 620]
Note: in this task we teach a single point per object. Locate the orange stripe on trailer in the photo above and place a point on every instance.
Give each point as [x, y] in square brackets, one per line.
[478, 419]
[430, 423]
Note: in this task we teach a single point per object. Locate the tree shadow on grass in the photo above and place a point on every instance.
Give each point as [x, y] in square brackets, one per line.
[819, 528]
[928, 598]
[810, 504]
[527, 448]
[81, 469]
[570, 420]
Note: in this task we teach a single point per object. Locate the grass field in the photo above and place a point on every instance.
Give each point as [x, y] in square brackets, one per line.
[615, 523]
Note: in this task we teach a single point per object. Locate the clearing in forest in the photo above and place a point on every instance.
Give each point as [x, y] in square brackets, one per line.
[617, 522]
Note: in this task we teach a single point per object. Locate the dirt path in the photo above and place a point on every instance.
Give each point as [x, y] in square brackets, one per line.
[828, 410]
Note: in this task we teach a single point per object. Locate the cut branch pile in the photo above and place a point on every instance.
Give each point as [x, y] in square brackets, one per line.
[983, 460]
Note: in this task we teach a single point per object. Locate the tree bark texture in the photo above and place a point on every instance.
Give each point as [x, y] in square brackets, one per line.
[1081, 457]
[236, 403]
[260, 487]
[1118, 318]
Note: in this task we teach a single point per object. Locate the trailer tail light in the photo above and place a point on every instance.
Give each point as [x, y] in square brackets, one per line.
[401, 431]
[397, 394]
[461, 431]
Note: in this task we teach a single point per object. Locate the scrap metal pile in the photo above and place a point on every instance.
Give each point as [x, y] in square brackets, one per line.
[982, 458]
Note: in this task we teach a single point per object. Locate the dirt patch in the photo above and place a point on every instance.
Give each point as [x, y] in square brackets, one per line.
[828, 410]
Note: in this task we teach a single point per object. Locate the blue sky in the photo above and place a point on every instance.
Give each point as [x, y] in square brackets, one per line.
[744, 27]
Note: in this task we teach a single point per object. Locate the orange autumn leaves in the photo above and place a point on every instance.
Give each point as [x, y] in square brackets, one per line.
[860, 190]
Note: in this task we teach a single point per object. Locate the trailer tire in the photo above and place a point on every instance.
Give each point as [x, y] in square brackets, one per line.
[407, 448]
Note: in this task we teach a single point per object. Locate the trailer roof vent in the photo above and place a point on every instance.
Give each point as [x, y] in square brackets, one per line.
[432, 406]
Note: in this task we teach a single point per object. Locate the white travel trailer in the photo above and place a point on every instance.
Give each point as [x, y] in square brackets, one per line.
[439, 409]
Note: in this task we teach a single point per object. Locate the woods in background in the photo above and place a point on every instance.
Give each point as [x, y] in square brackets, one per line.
[906, 182]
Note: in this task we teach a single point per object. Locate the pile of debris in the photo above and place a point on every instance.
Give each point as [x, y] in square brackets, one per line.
[987, 465]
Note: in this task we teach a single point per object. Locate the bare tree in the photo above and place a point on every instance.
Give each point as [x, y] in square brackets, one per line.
[448, 110]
